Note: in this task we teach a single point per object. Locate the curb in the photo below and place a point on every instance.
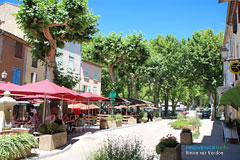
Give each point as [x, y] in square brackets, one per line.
[69, 146]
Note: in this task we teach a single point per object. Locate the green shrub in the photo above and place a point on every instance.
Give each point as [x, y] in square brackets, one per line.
[143, 114]
[117, 117]
[194, 121]
[109, 118]
[181, 116]
[168, 141]
[15, 146]
[178, 124]
[196, 134]
[50, 128]
[157, 114]
[122, 149]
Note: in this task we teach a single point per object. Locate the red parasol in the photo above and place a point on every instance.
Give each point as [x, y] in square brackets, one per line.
[7, 86]
[92, 97]
[41, 96]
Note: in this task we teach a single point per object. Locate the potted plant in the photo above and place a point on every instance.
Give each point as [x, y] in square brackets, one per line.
[143, 117]
[16, 146]
[118, 120]
[111, 123]
[53, 136]
[186, 136]
[103, 123]
[169, 148]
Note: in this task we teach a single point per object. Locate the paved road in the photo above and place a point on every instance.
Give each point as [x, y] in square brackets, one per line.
[150, 134]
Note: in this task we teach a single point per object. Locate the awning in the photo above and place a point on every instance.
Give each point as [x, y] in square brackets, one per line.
[231, 97]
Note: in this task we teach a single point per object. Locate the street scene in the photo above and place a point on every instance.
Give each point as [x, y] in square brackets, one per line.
[119, 80]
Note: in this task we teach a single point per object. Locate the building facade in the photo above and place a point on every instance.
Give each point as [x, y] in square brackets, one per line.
[89, 73]
[231, 46]
[34, 70]
[68, 58]
[13, 52]
[90, 77]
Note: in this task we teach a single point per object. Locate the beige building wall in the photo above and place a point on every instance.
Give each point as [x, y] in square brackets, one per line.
[38, 73]
[6, 14]
[89, 83]
[10, 25]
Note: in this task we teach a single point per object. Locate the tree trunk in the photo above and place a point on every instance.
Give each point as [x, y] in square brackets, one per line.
[51, 62]
[134, 88]
[111, 73]
[214, 114]
[129, 90]
[123, 94]
[174, 105]
[166, 102]
[50, 57]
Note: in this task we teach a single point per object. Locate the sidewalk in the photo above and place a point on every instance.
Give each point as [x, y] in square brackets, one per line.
[228, 151]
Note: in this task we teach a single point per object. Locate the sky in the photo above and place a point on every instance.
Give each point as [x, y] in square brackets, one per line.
[180, 18]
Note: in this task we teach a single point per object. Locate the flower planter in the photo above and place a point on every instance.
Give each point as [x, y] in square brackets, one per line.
[171, 153]
[132, 121]
[186, 138]
[111, 124]
[103, 125]
[118, 123]
[50, 142]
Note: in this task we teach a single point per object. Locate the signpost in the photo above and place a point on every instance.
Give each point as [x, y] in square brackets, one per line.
[235, 67]
[112, 95]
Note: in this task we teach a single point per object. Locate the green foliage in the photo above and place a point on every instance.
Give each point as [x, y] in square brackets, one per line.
[143, 115]
[196, 134]
[109, 118]
[186, 130]
[15, 146]
[47, 24]
[168, 141]
[189, 122]
[119, 55]
[50, 128]
[178, 124]
[194, 121]
[67, 80]
[181, 116]
[117, 117]
[157, 114]
[122, 149]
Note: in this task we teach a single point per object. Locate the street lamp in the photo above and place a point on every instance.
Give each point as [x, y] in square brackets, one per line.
[224, 52]
[4, 75]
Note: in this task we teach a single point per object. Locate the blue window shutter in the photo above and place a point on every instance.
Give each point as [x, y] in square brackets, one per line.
[18, 76]
[14, 76]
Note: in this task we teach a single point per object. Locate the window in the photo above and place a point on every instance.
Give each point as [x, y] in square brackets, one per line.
[89, 88]
[34, 63]
[16, 76]
[59, 61]
[234, 21]
[85, 72]
[70, 64]
[71, 50]
[18, 50]
[33, 77]
[95, 75]
[95, 90]
[83, 88]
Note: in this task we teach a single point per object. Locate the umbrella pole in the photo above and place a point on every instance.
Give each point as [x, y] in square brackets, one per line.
[61, 106]
[44, 108]
[88, 112]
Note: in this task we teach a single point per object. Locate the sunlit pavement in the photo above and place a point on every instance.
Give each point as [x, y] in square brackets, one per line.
[150, 134]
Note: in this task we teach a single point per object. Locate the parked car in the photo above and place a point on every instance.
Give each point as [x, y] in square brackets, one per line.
[205, 114]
